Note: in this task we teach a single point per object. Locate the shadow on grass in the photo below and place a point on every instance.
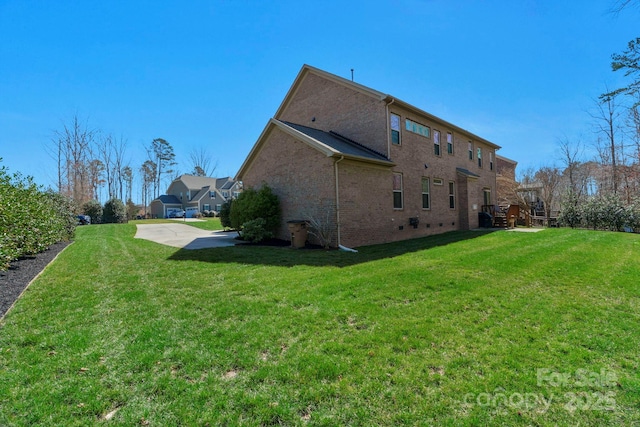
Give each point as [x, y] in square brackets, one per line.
[288, 257]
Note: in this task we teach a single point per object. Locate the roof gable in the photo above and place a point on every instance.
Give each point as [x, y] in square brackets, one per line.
[307, 69]
[380, 96]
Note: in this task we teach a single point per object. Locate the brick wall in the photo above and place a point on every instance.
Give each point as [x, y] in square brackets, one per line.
[301, 177]
[340, 109]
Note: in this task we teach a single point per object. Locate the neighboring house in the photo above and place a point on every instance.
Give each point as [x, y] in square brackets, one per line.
[506, 181]
[368, 166]
[194, 194]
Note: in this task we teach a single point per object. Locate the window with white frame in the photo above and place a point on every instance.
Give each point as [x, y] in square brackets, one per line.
[395, 128]
[218, 207]
[479, 155]
[487, 196]
[449, 143]
[206, 207]
[452, 195]
[436, 142]
[470, 150]
[490, 160]
[212, 194]
[225, 194]
[426, 195]
[397, 191]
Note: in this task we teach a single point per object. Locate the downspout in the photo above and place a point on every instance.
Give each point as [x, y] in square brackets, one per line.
[344, 248]
[387, 127]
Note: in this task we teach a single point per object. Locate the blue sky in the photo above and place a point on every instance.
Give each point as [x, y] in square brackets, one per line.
[210, 74]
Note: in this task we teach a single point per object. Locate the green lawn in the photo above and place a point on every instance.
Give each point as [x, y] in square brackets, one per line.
[464, 328]
[204, 223]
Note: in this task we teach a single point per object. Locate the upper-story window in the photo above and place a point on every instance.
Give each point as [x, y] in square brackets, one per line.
[479, 157]
[212, 194]
[436, 142]
[236, 194]
[395, 128]
[490, 160]
[414, 127]
[470, 151]
[397, 191]
[225, 194]
[449, 143]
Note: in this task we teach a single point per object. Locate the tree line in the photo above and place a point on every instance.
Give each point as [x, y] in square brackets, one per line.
[601, 190]
[89, 161]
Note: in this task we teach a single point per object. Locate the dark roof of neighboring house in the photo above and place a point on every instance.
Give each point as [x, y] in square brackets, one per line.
[200, 194]
[338, 142]
[168, 199]
[228, 184]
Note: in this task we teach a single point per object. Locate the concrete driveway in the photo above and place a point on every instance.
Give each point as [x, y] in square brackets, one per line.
[184, 236]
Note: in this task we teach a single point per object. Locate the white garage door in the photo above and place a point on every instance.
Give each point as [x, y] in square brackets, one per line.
[191, 212]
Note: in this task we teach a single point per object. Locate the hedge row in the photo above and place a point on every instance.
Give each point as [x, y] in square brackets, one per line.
[31, 220]
[600, 213]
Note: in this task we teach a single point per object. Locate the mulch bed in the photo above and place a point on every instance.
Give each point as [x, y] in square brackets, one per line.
[21, 273]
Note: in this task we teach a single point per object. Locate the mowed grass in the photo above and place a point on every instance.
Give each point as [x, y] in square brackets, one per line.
[464, 328]
[204, 223]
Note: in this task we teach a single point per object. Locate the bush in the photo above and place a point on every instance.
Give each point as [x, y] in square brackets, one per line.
[255, 230]
[132, 210]
[30, 220]
[65, 214]
[225, 214]
[252, 204]
[570, 211]
[114, 212]
[93, 208]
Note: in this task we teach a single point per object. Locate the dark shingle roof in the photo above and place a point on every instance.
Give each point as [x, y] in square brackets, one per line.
[169, 199]
[338, 142]
[467, 173]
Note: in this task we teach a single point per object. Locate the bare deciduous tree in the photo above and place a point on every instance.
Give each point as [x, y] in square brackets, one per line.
[71, 148]
[202, 162]
[607, 126]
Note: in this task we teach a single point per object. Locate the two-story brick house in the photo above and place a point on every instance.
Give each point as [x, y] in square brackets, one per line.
[370, 166]
[193, 194]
